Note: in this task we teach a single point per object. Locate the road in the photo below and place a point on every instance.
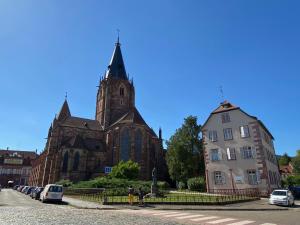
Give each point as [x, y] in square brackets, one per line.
[17, 208]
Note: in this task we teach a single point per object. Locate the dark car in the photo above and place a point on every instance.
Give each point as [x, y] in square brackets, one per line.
[295, 191]
[37, 192]
[28, 191]
[32, 192]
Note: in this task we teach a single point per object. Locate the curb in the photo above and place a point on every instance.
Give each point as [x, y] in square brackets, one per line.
[96, 208]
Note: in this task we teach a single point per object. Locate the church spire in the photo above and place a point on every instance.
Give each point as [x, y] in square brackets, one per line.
[116, 68]
[64, 112]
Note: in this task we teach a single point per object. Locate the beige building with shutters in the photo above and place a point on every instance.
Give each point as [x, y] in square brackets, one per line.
[239, 151]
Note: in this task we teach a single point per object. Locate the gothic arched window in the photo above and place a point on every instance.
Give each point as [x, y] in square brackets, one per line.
[125, 145]
[65, 162]
[122, 91]
[138, 145]
[76, 161]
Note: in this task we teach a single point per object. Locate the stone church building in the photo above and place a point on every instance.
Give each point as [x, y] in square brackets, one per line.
[81, 149]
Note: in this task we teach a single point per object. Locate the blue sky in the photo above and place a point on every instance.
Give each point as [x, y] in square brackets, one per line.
[178, 52]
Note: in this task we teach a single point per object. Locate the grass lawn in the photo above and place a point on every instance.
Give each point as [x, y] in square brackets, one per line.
[175, 198]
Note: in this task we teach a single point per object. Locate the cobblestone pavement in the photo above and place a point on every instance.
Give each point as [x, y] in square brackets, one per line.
[17, 208]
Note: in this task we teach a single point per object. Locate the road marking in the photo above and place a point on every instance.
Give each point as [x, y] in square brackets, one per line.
[164, 213]
[221, 221]
[188, 217]
[205, 218]
[179, 214]
[242, 222]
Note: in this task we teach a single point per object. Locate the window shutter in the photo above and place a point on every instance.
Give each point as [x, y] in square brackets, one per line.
[242, 153]
[242, 130]
[223, 178]
[258, 177]
[220, 154]
[254, 152]
[210, 135]
[228, 154]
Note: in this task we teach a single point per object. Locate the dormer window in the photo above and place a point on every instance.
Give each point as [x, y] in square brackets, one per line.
[121, 91]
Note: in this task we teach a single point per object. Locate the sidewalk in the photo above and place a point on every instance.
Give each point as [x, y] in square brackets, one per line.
[259, 205]
[81, 204]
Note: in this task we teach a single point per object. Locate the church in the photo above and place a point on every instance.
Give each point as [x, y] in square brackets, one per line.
[81, 149]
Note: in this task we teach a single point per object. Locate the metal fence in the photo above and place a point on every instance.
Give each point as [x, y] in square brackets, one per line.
[212, 197]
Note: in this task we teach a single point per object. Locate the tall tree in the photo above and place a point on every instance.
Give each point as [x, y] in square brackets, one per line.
[296, 163]
[284, 160]
[184, 151]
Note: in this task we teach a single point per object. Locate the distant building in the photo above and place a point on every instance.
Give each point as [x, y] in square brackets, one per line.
[286, 171]
[15, 166]
[80, 149]
[239, 151]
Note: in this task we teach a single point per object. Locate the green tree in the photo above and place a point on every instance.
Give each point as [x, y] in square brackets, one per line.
[296, 163]
[125, 170]
[184, 151]
[284, 160]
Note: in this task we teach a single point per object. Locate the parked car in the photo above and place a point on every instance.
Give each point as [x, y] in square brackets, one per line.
[33, 190]
[25, 188]
[52, 192]
[37, 192]
[16, 187]
[295, 191]
[29, 190]
[20, 188]
[282, 197]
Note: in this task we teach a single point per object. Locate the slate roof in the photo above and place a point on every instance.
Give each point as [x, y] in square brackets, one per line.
[64, 111]
[83, 143]
[133, 116]
[83, 123]
[116, 68]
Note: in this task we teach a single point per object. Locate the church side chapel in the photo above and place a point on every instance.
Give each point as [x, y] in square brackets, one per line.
[80, 149]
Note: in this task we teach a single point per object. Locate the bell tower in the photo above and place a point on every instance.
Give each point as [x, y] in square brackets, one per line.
[115, 96]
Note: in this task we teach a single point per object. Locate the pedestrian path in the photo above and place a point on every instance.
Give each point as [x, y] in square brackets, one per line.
[194, 217]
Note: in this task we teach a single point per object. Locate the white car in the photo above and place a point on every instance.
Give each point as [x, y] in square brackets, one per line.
[281, 197]
[52, 192]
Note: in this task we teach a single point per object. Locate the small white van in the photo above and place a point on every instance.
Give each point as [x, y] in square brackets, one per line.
[52, 192]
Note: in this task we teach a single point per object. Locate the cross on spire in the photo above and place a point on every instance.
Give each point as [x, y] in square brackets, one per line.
[118, 40]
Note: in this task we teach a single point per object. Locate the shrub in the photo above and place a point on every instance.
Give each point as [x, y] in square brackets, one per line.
[181, 185]
[163, 185]
[196, 184]
[125, 170]
[65, 183]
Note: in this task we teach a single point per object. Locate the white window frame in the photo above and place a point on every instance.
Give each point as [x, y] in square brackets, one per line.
[252, 177]
[225, 117]
[247, 152]
[215, 155]
[231, 154]
[228, 135]
[244, 131]
[213, 135]
[219, 178]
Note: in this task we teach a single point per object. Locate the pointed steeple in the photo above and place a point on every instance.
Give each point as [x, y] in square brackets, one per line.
[116, 68]
[64, 112]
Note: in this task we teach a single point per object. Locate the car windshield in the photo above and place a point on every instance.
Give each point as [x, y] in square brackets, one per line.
[55, 189]
[281, 193]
